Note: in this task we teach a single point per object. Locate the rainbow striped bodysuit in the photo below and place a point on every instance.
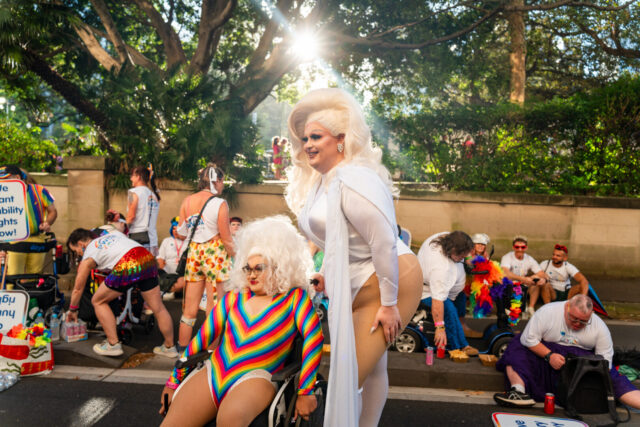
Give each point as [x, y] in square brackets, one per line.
[253, 342]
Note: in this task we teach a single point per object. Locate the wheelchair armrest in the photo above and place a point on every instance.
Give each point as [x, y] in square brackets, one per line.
[286, 372]
[193, 360]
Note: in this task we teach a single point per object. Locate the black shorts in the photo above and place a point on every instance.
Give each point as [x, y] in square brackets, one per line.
[143, 285]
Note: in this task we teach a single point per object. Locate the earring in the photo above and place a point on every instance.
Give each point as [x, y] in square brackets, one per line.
[340, 148]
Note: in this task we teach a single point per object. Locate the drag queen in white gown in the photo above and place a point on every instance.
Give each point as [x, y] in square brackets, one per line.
[343, 197]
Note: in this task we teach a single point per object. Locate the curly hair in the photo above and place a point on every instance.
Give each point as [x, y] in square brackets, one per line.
[454, 243]
[283, 249]
[340, 113]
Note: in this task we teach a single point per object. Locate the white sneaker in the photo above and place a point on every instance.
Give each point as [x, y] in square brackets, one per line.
[528, 313]
[106, 349]
[169, 296]
[169, 352]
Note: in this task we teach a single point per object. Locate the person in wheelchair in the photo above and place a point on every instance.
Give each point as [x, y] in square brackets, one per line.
[441, 257]
[256, 323]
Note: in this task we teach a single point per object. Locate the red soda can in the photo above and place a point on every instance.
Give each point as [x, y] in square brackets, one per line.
[429, 356]
[440, 352]
[549, 404]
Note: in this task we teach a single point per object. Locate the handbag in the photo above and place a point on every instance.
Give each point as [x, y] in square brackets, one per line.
[141, 237]
[182, 264]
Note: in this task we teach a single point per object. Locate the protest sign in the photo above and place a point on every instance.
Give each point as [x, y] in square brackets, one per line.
[505, 419]
[13, 308]
[14, 224]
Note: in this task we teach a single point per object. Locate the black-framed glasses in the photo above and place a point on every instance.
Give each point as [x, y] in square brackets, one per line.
[258, 268]
[574, 319]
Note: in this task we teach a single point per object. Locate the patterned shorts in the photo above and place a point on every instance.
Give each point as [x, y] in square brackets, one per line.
[207, 261]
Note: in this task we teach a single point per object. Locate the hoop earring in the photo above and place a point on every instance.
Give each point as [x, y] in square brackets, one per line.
[340, 148]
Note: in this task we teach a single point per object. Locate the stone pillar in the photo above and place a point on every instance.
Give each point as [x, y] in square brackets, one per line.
[87, 191]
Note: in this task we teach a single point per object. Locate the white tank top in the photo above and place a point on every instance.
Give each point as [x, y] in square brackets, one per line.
[207, 227]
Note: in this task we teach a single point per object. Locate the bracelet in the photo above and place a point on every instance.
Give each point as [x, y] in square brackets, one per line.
[548, 356]
[441, 323]
[73, 307]
[440, 327]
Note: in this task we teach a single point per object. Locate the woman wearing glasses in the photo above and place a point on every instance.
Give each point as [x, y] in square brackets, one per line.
[256, 321]
[343, 197]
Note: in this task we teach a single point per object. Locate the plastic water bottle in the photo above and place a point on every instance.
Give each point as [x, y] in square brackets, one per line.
[7, 379]
[55, 327]
[39, 318]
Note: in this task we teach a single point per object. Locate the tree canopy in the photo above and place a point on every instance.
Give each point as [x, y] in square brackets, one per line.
[173, 82]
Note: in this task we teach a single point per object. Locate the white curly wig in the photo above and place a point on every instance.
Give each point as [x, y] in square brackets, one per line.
[340, 113]
[283, 249]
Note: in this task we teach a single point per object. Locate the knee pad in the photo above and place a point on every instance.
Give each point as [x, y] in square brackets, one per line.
[187, 321]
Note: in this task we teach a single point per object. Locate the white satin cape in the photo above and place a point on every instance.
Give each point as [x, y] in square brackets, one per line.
[343, 402]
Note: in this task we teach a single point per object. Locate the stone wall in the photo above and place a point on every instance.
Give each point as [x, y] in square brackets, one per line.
[603, 234]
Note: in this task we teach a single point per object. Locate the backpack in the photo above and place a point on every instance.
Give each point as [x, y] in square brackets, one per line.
[585, 387]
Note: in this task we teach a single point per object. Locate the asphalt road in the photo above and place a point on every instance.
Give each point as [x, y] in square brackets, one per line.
[52, 402]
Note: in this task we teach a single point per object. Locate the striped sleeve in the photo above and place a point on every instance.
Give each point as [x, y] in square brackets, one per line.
[308, 324]
[210, 330]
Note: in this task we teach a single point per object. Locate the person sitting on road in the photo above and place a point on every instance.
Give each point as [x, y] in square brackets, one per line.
[518, 266]
[171, 249]
[268, 290]
[559, 273]
[41, 215]
[131, 265]
[533, 360]
[441, 257]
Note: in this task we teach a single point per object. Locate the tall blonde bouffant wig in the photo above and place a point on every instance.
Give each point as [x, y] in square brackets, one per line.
[340, 113]
[284, 250]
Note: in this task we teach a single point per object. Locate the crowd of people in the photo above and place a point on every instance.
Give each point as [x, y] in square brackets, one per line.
[256, 278]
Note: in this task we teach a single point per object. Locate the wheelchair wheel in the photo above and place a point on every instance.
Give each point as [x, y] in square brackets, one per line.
[500, 346]
[322, 313]
[407, 342]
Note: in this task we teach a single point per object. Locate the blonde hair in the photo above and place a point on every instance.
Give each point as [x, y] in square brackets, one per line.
[340, 113]
[283, 250]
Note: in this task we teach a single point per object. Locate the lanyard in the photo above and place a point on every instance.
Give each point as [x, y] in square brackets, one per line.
[178, 248]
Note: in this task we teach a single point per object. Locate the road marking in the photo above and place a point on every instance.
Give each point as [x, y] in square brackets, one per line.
[92, 411]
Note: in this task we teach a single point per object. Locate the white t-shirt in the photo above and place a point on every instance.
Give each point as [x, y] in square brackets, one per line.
[559, 277]
[520, 267]
[146, 214]
[170, 251]
[442, 277]
[549, 324]
[107, 250]
[208, 224]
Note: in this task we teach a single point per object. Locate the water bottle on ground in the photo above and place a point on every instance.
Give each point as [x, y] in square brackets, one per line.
[55, 327]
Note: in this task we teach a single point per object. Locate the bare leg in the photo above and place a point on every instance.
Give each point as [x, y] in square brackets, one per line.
[631, 398]
[100, 301]
[193, 406]
[575, 290]
[245, 402]
[192, 295]
[534, 292]
[370, 347]
[548, 294]
[178, 286]
[513, 376]
[211, 295]
[154, 300]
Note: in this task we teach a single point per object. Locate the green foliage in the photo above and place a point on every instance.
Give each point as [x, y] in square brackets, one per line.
[585, 144]
[26, 149]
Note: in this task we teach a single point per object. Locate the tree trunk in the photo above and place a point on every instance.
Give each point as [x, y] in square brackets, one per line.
[517, 57]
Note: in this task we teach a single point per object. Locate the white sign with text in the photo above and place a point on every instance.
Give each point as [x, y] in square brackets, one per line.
[504, 419]
[13, 308]
[14, 224]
